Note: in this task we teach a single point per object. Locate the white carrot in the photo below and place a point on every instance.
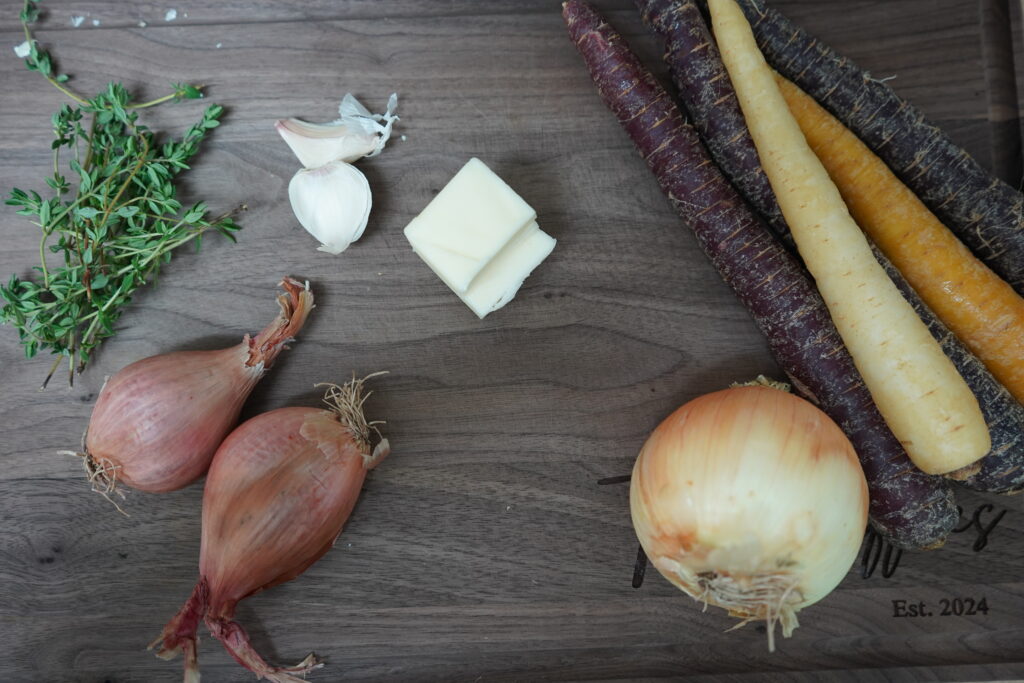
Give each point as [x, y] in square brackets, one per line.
[923, 399]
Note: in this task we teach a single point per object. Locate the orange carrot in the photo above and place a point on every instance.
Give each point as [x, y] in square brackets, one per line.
[979, 307]
[918, 390]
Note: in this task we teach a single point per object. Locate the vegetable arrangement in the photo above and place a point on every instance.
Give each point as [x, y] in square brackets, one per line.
[952, 416]
[114, 229]
[908, 507]
[710, 102]
[706, 92]
[979, 307]
[279, 487]
[983, 211]
[751, 499]
[917, 389]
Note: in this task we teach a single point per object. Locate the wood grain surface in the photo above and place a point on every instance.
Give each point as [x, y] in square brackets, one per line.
[483, 548]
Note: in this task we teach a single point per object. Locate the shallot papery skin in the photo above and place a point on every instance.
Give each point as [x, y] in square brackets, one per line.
[158, 422]
[278, 492]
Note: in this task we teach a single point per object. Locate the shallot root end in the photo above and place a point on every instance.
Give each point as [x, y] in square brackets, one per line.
[101, 474]
[380, 451]
[346, 402]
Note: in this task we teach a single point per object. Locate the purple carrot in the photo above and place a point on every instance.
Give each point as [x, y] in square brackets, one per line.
[983, 211]
[910, 508]
[707, 93]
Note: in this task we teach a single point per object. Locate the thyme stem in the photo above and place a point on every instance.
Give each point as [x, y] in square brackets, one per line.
[114, 227]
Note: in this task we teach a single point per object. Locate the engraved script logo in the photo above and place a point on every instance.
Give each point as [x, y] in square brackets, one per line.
[876, 550]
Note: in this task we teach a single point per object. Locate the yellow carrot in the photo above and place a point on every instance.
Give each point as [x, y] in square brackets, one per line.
[917, 389]
[975, 303]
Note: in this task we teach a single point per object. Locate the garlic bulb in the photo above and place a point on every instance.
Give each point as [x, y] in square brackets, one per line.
[332, 202]
[355, 134]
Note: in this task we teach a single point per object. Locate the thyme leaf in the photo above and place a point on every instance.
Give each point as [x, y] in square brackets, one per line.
[111, 218]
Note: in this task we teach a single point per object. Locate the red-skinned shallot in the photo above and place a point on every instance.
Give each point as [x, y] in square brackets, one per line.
[278, 492]
[158, 422]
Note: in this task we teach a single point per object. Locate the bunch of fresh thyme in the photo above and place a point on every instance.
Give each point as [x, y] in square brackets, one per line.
[113, 225]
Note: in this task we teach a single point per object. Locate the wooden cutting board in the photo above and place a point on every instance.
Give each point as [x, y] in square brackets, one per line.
[483, 549]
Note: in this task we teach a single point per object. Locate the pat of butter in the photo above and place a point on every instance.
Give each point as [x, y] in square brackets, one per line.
[499, 281]
[467, 224]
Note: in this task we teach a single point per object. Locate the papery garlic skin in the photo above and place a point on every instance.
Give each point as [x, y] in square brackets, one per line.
[331, 198]
[332, 202]
[352, 112]
[750, 499]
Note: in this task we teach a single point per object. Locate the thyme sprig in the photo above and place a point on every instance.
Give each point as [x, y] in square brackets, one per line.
[113, 224]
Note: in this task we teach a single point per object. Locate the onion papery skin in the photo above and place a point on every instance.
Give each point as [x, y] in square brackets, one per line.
[158, 422]
[277, 495]
[308, 464]
[750, 499]
[165, 440]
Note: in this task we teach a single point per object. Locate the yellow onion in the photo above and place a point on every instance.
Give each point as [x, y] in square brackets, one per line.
[750, 499]
[158, 421]
[278, 492]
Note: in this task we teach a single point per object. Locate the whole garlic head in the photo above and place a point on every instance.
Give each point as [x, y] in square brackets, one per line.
[332, 202]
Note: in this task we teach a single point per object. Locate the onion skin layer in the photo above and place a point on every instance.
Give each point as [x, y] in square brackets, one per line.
[158, 422]
[312, 469]
[165, 440]
[277, 495]
[750, 482]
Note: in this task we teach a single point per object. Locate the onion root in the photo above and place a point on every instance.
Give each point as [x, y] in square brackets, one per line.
[770, 597]
[346, 401]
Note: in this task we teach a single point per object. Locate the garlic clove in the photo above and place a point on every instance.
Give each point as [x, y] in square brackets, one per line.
[316, 144]
[356, 134]
[332, 202]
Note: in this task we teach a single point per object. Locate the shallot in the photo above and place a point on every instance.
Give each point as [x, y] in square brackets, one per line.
[158, 422]
[278, 492]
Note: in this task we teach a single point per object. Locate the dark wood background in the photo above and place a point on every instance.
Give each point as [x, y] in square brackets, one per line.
[483, 549]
